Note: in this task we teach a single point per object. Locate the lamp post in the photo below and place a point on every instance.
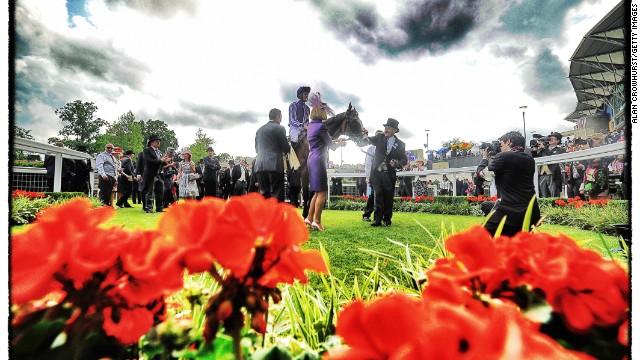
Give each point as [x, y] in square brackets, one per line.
[427, 144]
[524, 124]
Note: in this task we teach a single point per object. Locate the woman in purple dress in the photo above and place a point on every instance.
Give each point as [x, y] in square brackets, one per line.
[319, 143]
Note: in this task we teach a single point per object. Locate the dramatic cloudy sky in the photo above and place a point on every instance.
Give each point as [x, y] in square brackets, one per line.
[459, 68]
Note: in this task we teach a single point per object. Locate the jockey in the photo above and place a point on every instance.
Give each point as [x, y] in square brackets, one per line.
[299, 115]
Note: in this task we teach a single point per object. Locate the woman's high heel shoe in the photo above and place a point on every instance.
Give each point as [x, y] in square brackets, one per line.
[316, 226]
[307, 222]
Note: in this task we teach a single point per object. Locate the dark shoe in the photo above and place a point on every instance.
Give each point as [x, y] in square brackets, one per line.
[159, 210]
[376, 223]
[387, 223]
[127, 205]
[149, 211]
[119, 205]
[366, 218]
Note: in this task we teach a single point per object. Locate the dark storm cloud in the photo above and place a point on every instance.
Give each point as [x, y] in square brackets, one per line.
[338, 100]
[100, 60]
[424, 26]
[545, 76]
[542, 19]
[209, 117]
[160, 8]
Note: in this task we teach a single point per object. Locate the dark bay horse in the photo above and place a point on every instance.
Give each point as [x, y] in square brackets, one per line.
[347, 123]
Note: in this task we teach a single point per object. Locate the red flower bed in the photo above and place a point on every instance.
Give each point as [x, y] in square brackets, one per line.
[27, 194]
[576, 202]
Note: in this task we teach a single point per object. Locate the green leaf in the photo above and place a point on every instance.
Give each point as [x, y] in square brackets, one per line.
[37, 339]
[274, 353]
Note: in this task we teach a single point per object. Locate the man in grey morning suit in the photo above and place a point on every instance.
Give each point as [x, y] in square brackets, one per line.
[271, 146]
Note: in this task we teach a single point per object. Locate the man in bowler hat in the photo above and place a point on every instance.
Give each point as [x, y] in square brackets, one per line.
[152, 182]
[389, 156]
[210, 176]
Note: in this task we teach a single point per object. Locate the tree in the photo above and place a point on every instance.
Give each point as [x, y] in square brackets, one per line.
[22, 133]
[224, 158]
[161, 129]
[199, 147]
[126, 133]
[79, 125]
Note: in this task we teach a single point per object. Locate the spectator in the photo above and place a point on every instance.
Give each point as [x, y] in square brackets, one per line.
[550, 178]
[200, 171]
[336, 185]
[446, 187]
[239, 178]
[271, 145]
[106, 167]
[226, 181]
[125, 182]
[210, 177]
[152, 181]
[361, 182]
[169, 175]
[295, 186]
[187, 176]
[406, 183]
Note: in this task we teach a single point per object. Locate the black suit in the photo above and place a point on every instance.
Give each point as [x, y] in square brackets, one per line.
[210, 176]
[226, 184]
[80, 181]
[271, 145]
[239, 186]
[514, 181]
[152, 182]
[199, 182]
[124, 184]
[383, 175]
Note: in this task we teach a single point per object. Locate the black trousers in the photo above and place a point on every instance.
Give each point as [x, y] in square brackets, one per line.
[126, 187]
[210, 187]
[383, 184]
[106, 189]
[271, 184]
[239, 188]
[154, 188]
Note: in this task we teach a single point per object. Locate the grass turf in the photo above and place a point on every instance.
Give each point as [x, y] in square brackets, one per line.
[346, 234]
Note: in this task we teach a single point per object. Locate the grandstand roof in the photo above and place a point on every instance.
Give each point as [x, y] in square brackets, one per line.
[597, 66]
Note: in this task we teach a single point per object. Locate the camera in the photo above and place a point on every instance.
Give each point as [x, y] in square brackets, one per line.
[539, 141]
[493, 146]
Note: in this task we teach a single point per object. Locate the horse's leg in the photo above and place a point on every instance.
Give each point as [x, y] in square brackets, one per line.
[306, 199]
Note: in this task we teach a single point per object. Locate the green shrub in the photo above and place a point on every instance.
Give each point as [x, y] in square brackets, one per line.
[588, 217]
[63, 195]
[25, 210]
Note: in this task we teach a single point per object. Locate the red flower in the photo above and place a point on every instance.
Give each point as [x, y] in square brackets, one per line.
[560, 202]
[390, 327]
[62, 234]
[130, 324]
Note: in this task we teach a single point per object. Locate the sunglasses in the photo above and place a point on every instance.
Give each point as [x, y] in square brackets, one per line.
[109, 147]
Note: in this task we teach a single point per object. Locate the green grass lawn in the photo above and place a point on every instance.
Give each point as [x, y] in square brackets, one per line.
[347, 235]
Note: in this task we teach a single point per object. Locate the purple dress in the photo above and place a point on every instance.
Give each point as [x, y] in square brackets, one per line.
[319, 143]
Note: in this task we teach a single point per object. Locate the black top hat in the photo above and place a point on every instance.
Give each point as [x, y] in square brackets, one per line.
[302, 89]
[209, 148]
[129, 152]
[393, 123]
[153, 137]
[556, 135]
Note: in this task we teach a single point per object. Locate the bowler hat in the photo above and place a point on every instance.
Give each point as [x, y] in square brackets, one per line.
[129, 152]
[556, 135]
[393, 123]
[302, 89]
[153, 137]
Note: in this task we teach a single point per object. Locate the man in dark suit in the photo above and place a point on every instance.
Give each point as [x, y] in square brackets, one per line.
[513, 170]
[226, 182]
[126, 179]
[200, 171]
[389, 155]
[152, 182]
[210, 176]
[80, 181]
[239, 178]
[271, 145]
[139, 171]
[68, 171]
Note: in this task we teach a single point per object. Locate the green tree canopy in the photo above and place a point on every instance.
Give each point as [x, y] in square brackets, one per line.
[126, 133]
[160, 128]
[22, 133]
[199, 147]
[79, 125]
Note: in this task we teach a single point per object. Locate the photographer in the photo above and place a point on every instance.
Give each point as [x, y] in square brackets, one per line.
[550, 178]
[513, 170]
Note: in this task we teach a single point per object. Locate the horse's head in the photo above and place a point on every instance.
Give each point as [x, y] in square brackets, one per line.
[354, 129]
